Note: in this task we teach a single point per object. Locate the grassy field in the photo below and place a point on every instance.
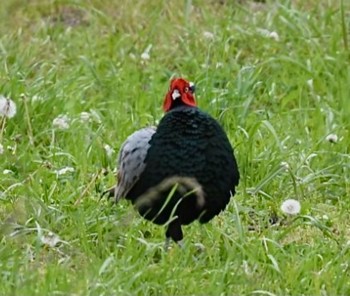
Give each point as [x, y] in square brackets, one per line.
[86, 74]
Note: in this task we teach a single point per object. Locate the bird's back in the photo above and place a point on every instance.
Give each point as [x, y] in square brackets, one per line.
[188, 143]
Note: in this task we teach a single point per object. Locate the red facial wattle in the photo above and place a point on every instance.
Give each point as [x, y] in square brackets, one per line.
[184, 90]
[167, 102]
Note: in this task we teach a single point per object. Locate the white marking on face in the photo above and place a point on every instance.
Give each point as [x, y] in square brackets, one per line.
[176, 94]
[191, 84]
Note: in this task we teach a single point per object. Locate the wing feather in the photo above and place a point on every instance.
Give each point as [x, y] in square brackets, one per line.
[130, 163]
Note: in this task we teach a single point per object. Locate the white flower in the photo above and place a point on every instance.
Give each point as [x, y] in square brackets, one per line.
[145, 56]
[61, 122]
[64, 171]
[109, 150]
[50, 240]
[310, 83]
[273, 35]
[291, 207]
[1, 149]
[266, 33]
[332, 138]
[7, 107]
[85, 116]
[208, 35]
[284, 165]
[7, 172]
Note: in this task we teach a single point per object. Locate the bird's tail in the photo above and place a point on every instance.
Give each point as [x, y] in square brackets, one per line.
[120, 190]
[115, 193]
[184, 185]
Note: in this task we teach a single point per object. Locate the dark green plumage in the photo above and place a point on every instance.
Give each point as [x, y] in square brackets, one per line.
[187, 143]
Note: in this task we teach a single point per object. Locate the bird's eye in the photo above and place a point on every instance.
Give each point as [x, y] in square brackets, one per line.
[186, 89]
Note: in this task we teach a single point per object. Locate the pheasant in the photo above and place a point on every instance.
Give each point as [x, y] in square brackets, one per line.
[183, 170]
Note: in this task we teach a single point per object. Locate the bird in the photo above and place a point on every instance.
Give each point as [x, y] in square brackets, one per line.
[180, 171]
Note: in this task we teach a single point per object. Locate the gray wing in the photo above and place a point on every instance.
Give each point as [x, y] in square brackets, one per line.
[130, 163]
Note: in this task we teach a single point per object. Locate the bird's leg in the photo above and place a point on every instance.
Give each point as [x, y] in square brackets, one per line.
[174, 232]
[180, 244]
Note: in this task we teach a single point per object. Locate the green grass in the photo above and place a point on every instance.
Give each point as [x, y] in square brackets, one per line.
[277, 99]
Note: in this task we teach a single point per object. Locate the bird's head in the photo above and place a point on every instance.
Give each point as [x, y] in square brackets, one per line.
[181, 93]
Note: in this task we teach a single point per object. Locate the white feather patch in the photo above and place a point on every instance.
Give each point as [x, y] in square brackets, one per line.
[176, 94]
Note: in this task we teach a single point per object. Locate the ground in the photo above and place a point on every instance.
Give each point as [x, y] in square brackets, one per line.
[86, 74]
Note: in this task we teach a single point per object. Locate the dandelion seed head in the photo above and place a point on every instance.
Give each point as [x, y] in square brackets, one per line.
[266, 33]
[145, 56]
[310, 83]
[61, 122]
[291, 207]
[85, 116]
[7, 107]
[208, 35]
[50, 239]
[274, 35]
[7, 172]
[332, 138]
[109, 150]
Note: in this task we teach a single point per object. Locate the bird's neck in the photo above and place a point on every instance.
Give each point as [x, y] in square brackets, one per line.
[179, 104]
